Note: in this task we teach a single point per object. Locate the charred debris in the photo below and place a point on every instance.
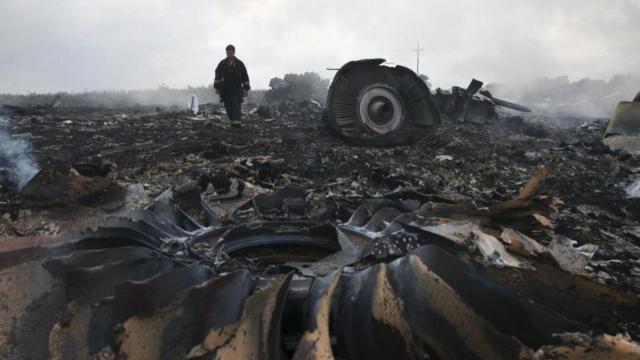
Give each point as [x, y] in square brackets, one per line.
[441, 228]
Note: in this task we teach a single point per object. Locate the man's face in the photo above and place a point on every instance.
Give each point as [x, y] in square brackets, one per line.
[231, 54]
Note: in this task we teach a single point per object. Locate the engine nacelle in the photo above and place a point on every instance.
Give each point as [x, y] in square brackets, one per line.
[372, 104]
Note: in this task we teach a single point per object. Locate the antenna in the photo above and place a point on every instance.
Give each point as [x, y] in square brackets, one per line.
[417, 50]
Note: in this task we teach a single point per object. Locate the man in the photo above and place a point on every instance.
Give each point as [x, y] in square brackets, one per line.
[232, 83]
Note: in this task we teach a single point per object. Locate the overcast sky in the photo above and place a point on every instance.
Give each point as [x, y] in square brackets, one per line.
[73, 45]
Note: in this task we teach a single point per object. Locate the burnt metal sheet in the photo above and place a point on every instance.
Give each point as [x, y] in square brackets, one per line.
[574, 297]
[625, 120]
[505, 309]
[623, 130]
[97, 257]
[257, 334]
[430, 303]
[98, 282]
[173, 331]
[414, 318]
[89, 328]
[31, 301]
[139, 299]
[132, 287]
[315, 343]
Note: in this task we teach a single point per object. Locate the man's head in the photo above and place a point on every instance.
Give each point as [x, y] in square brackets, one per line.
[231, 52]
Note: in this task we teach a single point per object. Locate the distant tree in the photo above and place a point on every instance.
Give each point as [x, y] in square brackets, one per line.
[297, 87]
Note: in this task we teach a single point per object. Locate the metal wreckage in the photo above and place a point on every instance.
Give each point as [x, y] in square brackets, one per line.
[623, 131]
[399, 275]
[373, 104]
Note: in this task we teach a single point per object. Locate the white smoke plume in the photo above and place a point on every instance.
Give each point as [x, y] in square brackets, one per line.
[15, 156]
[560, 96]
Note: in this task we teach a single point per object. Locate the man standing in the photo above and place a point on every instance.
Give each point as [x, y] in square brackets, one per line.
[232, 83]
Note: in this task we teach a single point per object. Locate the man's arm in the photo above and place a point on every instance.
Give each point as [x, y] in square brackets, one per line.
[217, 81]
[245, 78]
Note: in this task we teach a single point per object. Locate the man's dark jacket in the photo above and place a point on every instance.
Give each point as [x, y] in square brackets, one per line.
[231, 79]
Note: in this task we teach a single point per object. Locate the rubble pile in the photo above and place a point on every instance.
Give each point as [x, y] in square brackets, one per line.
[516, 238]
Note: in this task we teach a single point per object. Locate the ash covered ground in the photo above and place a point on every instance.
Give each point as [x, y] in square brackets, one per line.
[479, 164]
[520, 229]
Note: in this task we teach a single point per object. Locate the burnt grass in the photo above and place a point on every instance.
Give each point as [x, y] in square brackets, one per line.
[460, 162]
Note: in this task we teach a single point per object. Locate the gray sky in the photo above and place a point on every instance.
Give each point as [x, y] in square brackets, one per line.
[73, 45]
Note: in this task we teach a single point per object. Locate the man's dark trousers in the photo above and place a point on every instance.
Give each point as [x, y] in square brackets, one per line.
[232, 103]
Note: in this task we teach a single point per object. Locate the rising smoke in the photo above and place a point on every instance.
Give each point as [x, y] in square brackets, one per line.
[562, 97]
[15, 156]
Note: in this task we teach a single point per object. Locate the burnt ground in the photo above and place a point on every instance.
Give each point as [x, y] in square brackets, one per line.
[459, 162]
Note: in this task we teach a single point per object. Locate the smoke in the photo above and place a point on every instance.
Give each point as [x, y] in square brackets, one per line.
[123, 99]
[15, 156]
[564, 98]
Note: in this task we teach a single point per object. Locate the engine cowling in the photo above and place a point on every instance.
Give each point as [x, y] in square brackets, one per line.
[372, 104]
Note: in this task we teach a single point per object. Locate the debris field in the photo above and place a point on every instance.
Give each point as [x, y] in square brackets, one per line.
[154, 233]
